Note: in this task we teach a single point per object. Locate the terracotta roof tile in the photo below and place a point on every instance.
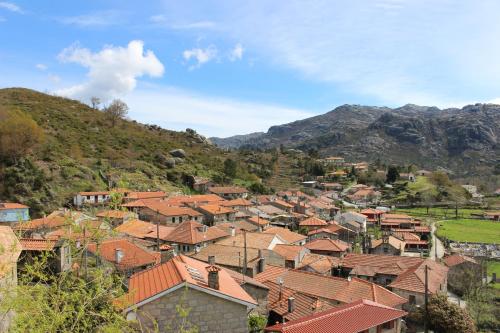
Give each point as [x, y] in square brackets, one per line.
[164, 209]
[285, 234]
[349, 318]
[193, 199]
[255, 240]
[32, 244]
[258, 221]
[413, 278]
[313, 222]
[327, 244]
[457, 259]
[141, 229]
[180, 270]
[236, 202]
[215, 209]
[287, 251]
[192, 232]
[133, 255]
[11, 205]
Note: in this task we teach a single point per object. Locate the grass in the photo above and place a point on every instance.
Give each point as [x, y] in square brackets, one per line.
[468, 230]
[494, 267]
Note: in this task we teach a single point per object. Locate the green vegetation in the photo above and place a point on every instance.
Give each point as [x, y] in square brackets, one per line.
[64, 146]
[440, 212]
[468, 230]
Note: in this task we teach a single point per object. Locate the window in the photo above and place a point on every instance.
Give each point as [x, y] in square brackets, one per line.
[180, 219]
[388, 281]
[412, 299]
[386, 249]
[173, 219]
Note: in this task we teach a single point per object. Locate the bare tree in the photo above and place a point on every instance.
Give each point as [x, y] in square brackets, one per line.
[115, 111]
[95, 101]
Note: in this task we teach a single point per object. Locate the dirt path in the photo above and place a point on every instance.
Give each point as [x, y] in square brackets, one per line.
[437, 245]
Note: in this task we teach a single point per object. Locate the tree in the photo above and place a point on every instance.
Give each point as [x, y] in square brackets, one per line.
[230, 167]
[447, 317]
[95, 101]
[256, 323]
[115, 111]
[19, 135]
[392, 174]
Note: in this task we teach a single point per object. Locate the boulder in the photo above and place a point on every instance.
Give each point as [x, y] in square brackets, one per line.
[178, 153]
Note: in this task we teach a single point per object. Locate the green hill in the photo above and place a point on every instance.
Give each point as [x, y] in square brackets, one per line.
[81, 151]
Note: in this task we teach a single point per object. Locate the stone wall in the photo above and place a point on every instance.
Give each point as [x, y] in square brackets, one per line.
[207, 312]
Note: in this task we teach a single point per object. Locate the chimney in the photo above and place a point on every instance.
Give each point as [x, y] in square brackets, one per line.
[232, 230]
[211, 260]
[213, 276]
[118, 255]
[291, 304]
[175, 249]
[262, 262]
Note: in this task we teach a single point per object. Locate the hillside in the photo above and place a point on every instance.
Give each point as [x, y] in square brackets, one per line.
[465, 141]
[82, 151]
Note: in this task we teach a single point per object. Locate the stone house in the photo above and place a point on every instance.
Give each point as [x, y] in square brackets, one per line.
[328, 247]
[216, 301]
[59, 250]
[229, 192]
[91, 198]
[215, 214]
[387, 245]
[462, 268]
[192, 236]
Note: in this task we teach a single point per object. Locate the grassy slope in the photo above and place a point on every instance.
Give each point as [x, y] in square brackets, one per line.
[466, 230]
[80, 145]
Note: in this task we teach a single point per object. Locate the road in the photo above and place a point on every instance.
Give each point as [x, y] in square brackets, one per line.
[437, 245]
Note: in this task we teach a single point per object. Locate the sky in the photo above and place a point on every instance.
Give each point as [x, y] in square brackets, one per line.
[236, 67]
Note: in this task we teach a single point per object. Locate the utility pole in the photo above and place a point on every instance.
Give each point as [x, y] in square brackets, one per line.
[244, 270]
[157, 231]
[85, 251]
[426, 316]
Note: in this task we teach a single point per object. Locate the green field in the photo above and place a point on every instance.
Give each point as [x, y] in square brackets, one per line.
[468, 230]
[440, 212]
[494, 267]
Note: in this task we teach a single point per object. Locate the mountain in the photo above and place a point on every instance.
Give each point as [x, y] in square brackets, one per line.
[81, 151]
[465, 141]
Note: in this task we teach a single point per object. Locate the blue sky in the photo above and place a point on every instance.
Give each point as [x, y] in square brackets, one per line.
[231, 67]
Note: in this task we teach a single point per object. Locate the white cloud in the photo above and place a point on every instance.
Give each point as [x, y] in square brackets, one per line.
[54, 78]
[113, 71]
[11, 7]
[41, 67]
[212, 116]
[236, 53]
[201, 56]
[98, 19]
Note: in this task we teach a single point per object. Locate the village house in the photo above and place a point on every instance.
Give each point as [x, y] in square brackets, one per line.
[334, 161]
[192, 236]
[59, 253]
[261, 223]
[229, 192]
[333, 290]
[387, 245]
[364, 196]
[495, 216]
[233, 257]
[283, 205]
[319, 264]
[352, 220]
[413, 242]
[328, 247]
[215, 214]
[91, 198]
[143, 230]
[237, 204]
[155, 294]
[256, 240]
[162, 212]
[462, 270]
[373, 216]
[115, 217]
[293, 254]
[123, 255]
[238, 227]
[360, 316]
[287, 235]
[257, 290]
[201, 185]
[331, 186]
[11, 213]
[411, 283]
[323, 209]
[312, 223]
[407, 176]
[321, 233]
[133, 196]
[398, 221]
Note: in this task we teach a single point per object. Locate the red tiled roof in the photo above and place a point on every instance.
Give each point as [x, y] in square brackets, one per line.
[391, 240]
[319, 263]
[258, 221]
[192, 232]
[289, 252]
[457, 259]
[413, 279]
[372, 211]
[285, 234]
[133, 255]
[318, 231]
[113, 214]
[392, 265]
[349, 318]
[215, 209]
[236, 202]
[182, 270]
[45, 222]
[313, 222]
[329, 287]
[164, 209]
[327, 244]
[141, 229]
[11, 205]
[227, 190]
[192, 199]
[32, 244]
[146, 195]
